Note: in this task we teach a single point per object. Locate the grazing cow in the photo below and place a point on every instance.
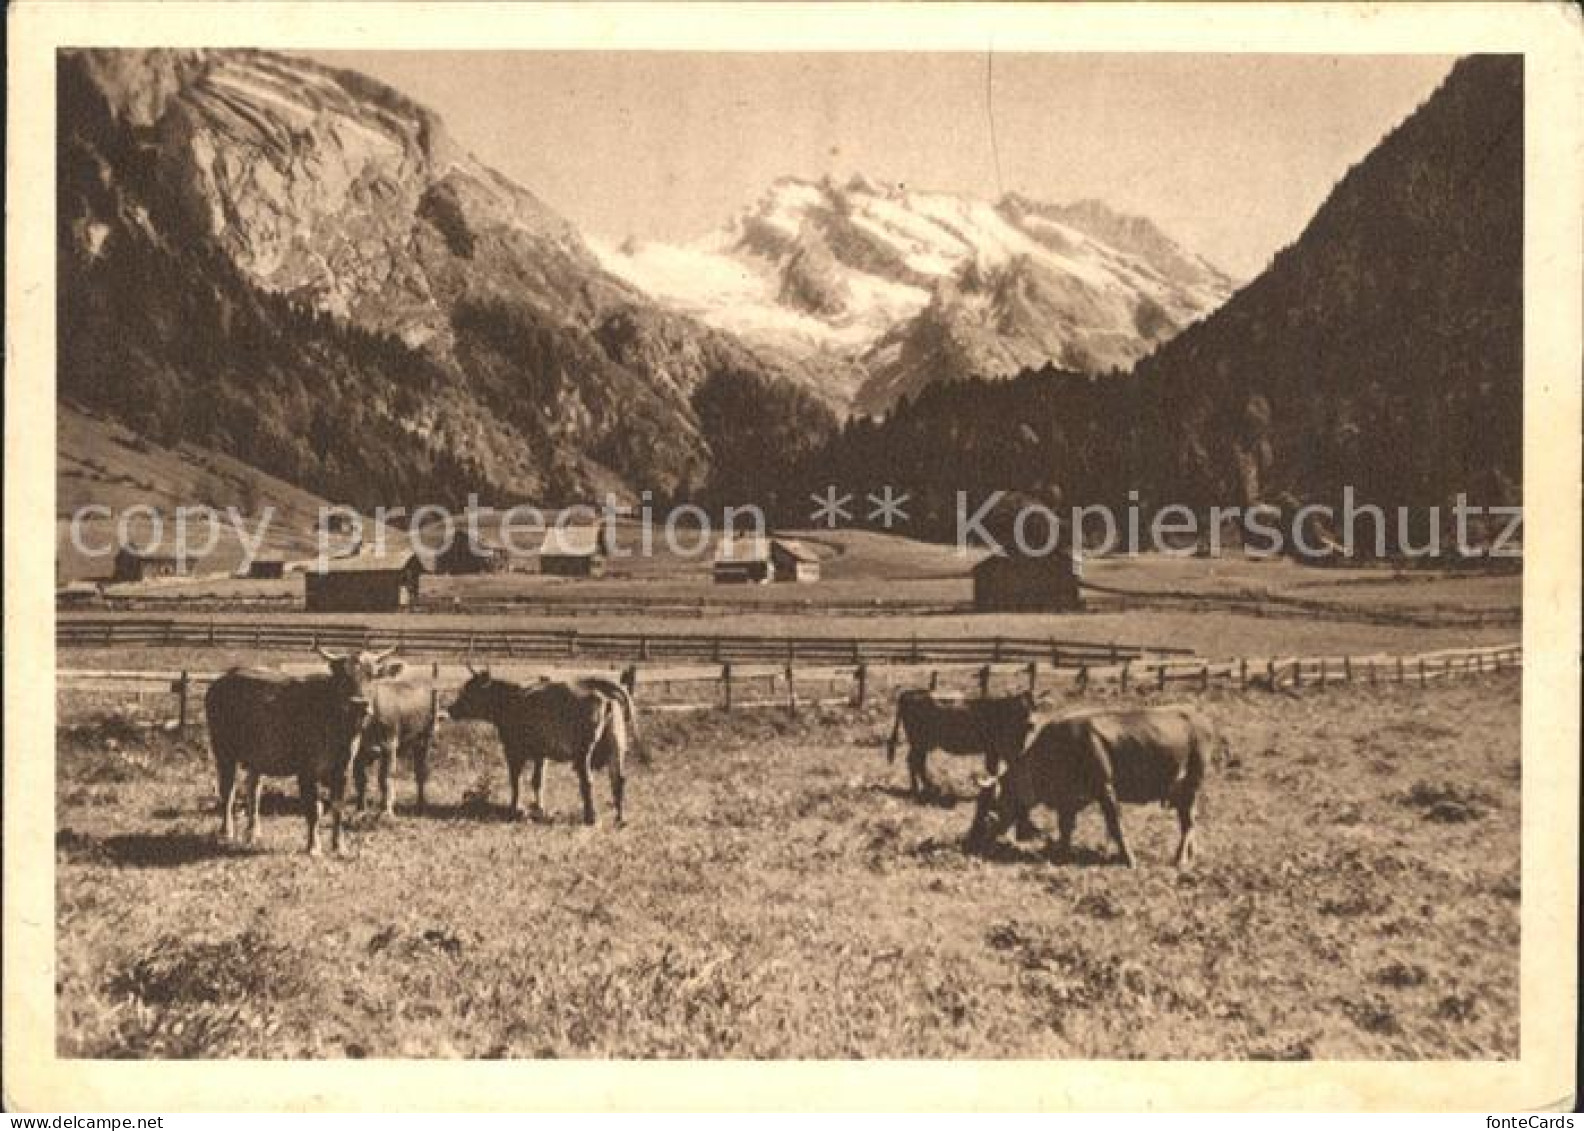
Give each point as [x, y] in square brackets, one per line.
[402, 716]
[550, 721]
[993, 727]
[275, 725]
[1138, 755]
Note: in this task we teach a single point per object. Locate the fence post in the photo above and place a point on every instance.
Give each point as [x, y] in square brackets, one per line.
[1424, 680]
[1270, 672]
[934, 680]
[1297, 672]
[791, 691]
[861, 676]
[914, 656]
[1055, 654]
[726, 682]
[1123, 681]
[1160, 676]
[181, 708]
[995, 650]
[1082, 683]
[1243, 673]
[1401, 675]
[643, 647]
[857, 656]
[1204, 677]
[1347, 669]
[258, 637]
[1033, 676]
[984, 681]
[572, 643]
[211, 633]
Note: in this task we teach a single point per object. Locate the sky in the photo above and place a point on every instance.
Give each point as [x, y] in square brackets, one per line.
[1229, 154]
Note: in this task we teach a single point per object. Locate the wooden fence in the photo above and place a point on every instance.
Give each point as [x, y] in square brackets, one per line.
[571, 644]
[735, 686]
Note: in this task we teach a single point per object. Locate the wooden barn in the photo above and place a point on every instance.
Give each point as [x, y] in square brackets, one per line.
[574, 551]
[367, 583]
[1015, 582]
[266, 569]
[791, 560]
[135, 565]
[743, 561]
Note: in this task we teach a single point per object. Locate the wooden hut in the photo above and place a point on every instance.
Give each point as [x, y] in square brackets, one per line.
[791, 560]
[136, 565]
[574, 551]
[743, 561]
[1017, 582]
[366, 583]
[465, 556]
[266, 569]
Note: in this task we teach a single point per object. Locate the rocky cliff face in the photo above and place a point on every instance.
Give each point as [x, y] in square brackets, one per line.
[913, 287]
[329, 231]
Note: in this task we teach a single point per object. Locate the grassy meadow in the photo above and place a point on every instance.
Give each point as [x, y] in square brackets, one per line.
[776, 894]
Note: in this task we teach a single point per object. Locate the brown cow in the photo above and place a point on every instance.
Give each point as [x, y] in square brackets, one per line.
[402, 717]
[275, 725]
[993, 727]
[1138, 755]
[555, 722]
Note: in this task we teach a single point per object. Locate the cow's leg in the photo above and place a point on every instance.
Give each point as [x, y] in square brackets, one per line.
[255, 794]
[337, 801]
[360, 780]
[1113, 820]
[1066, 824]
[421, 767]
[514, 769]
[1185, 822]
[387, 795]
[586, 789]
[618, 782]
[918, 771]
[228, 780]
[308, 795]
[538, 788]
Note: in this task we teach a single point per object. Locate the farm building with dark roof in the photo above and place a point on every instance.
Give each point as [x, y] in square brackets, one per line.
[574, 551]
[135, 565]
[366, 583]
[1017, 582]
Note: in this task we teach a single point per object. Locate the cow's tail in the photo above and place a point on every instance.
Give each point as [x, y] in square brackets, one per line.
[630, 716]
[896, 729]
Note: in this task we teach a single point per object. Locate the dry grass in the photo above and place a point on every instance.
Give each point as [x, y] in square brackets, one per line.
[776, 895]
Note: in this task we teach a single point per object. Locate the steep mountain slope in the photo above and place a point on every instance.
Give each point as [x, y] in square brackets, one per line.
[300, 265]
[1382, 351]
[917, 287]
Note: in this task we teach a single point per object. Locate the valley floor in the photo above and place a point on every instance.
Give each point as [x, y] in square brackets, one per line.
[776, 894]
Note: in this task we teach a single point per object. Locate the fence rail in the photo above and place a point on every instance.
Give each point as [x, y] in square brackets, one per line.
[735, 686]
[549, 644]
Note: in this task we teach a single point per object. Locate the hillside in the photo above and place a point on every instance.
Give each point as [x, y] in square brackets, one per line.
[299, 266]
[896, 288]
[1382, 350]
[100, 463]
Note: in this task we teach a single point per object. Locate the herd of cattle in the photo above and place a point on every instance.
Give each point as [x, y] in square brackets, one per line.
[329, 728]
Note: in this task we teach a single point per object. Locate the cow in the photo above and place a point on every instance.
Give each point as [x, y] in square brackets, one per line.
[402, 715]
[993, 727]
[275, 725]
[1137, 755]
[550, 721]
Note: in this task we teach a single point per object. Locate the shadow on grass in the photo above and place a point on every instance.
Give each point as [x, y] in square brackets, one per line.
[148, 850]
[933, 800]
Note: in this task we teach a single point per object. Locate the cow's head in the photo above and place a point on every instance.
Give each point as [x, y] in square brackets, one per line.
[353, 671]
[477, 699]
[992, 811]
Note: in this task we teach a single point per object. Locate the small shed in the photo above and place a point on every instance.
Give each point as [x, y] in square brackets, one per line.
[135, 565]
[1019, 582]
[266, 569]
[367, 583]
[744, 561]
[574, 551]
[791, 560]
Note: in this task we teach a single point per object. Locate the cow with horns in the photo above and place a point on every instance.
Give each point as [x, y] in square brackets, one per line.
[1140, 755]
[588, 723]
[402, 718]
[994, 727]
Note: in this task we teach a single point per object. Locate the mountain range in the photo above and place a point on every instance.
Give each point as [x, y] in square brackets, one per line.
[898, 288]
[300, 267]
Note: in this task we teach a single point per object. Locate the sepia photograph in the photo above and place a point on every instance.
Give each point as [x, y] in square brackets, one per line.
[707, 552]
